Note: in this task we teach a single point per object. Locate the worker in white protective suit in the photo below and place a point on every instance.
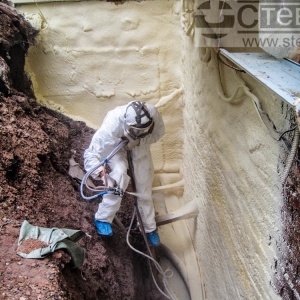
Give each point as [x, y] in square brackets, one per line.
[140, 124]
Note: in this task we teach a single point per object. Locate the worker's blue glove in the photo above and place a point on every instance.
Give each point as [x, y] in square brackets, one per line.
[131, 141]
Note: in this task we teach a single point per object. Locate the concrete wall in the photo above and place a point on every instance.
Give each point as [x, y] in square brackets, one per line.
[92, 56]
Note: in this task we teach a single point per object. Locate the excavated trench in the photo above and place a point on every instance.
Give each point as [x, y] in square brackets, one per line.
[36, 145]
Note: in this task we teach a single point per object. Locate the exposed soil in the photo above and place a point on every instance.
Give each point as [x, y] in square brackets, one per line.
[287, 263]
[30, 245]
[36, 145]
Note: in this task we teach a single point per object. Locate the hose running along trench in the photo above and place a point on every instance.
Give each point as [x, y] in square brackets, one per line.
[169, 293]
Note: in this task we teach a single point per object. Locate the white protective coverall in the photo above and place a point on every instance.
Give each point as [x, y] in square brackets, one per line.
[106, 138]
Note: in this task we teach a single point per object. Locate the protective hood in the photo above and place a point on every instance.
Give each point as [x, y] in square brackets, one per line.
[137, 115]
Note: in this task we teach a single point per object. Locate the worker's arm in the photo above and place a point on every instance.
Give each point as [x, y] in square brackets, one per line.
[103, 142]
[92, 156]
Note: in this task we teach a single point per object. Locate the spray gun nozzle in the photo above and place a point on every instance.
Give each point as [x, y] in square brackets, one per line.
[116, 190]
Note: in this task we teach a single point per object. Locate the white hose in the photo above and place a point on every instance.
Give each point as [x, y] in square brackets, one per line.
[172, 257]
[163, 273]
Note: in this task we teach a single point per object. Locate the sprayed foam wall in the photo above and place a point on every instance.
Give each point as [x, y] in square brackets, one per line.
[235, 177]
[93, 56]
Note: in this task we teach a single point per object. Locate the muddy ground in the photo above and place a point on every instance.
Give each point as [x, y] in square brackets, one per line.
[36, 145]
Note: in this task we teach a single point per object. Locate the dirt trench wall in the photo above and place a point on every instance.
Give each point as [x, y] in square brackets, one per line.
[36, 145]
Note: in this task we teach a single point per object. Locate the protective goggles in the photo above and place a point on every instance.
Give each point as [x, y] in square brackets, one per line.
[136, 132]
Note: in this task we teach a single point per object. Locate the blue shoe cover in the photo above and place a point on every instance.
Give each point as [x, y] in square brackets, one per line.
[103, 228]
[153, 239]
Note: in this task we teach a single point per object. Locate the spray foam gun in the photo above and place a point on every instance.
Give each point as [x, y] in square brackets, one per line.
[104, 189]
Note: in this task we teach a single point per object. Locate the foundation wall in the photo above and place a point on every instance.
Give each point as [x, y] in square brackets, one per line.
[231, 166]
